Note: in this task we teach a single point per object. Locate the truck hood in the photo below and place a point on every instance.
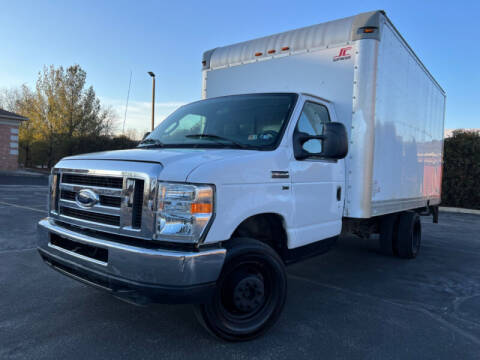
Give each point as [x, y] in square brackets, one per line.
[177, 163]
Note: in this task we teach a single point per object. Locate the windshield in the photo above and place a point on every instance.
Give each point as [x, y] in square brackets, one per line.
[254, 121]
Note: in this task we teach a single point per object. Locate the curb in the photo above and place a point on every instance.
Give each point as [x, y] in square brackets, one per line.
[459, 210]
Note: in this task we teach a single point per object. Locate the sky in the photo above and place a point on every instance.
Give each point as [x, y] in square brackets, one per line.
[111, 39]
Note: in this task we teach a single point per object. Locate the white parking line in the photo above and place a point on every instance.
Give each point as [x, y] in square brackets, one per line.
[22, 207]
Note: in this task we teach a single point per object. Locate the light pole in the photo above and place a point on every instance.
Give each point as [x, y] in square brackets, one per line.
[153, 98]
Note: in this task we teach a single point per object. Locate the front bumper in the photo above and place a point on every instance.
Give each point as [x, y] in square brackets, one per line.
[134, 273]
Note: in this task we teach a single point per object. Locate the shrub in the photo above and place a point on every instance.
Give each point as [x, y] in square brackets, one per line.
[461, 170]
[37, 153]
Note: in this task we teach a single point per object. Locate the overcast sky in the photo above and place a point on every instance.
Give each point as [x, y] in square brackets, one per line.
[111, 38]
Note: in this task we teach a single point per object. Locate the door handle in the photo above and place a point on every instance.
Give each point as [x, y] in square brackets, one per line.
[339, 193]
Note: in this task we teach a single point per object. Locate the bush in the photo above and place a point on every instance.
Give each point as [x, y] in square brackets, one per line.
[461, 170]
[36, 154]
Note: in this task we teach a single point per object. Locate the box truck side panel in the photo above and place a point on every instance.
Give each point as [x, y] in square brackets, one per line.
[359, 160]
[409, 115]
[313, 72]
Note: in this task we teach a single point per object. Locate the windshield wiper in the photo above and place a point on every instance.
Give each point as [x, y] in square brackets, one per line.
[151, 143]
[215, 137]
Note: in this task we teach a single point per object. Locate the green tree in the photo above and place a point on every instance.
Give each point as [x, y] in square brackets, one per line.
[60, 109]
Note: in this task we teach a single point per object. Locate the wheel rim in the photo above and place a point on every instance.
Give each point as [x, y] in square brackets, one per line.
[246, 298]
[249, 294]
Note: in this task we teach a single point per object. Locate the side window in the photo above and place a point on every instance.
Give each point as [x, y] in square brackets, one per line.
[311, 122]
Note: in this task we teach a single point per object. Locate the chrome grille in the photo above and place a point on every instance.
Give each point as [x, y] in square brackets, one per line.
[105, 200]
[100, 181]
[137, 204]
[112, 201]
[90, 216]
[125, 199]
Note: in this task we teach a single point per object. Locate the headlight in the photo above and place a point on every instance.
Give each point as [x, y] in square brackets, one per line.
[184, 211]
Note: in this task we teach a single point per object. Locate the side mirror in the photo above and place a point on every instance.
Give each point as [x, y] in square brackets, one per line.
[333, 144]
[145, 135]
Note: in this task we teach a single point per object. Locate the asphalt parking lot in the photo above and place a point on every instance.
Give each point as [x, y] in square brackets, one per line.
[351, 303]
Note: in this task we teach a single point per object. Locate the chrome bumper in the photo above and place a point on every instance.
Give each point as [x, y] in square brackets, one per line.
[131, 268]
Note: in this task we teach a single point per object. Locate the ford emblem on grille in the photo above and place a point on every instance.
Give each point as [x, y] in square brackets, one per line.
[86, 198]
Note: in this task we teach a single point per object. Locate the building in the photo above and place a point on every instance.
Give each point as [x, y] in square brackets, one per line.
[9, 123]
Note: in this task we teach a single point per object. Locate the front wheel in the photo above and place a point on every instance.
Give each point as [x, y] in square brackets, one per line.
[250, 294]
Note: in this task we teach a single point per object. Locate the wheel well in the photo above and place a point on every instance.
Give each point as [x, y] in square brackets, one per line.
[268, 228]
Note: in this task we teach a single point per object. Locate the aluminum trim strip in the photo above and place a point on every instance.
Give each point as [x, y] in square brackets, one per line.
[83, 257]
[99, 190]
[93, 225]
[388, 206]
[97, 208]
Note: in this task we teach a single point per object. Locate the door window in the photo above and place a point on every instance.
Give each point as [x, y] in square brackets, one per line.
[311, 122]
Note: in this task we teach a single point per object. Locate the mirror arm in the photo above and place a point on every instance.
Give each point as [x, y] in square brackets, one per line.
[304, 139]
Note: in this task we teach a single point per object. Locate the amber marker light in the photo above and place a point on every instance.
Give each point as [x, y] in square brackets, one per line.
[200, 208]
[271, 51]
[258, 54]
[369, 30]
[285, 48]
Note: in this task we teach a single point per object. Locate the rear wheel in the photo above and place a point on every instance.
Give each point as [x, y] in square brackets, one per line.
[409, 235]
[388, 228]
[250, 294]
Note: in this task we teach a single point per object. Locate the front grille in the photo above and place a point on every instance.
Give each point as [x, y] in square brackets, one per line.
[90, 216]
[137, 205]
[68, 195]
[122, 197]
[100, 181]
[105, 200]
[112, 201]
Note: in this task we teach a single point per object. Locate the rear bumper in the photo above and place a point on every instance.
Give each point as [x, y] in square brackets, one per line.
[137, 274]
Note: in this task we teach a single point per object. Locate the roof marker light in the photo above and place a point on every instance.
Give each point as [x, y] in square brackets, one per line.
[369, 30]
[285, 48]
[271, 51]
[258, 54]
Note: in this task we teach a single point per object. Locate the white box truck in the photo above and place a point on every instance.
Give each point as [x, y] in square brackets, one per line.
[300, 136]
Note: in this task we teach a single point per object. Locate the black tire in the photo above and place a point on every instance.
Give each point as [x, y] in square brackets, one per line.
[250, 294]
[409, 235]
[388, 228]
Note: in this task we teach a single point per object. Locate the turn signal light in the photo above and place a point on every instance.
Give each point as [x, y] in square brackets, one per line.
[200, 208]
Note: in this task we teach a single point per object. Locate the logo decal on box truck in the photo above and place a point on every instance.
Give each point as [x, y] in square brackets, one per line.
[343, 54]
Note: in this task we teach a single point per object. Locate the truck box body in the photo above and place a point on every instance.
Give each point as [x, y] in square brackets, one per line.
[391, 105]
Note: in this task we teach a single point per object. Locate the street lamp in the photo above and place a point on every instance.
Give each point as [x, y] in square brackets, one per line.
[153, 98]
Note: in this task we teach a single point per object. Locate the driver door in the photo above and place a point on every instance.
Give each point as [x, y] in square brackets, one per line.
[317, 182]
